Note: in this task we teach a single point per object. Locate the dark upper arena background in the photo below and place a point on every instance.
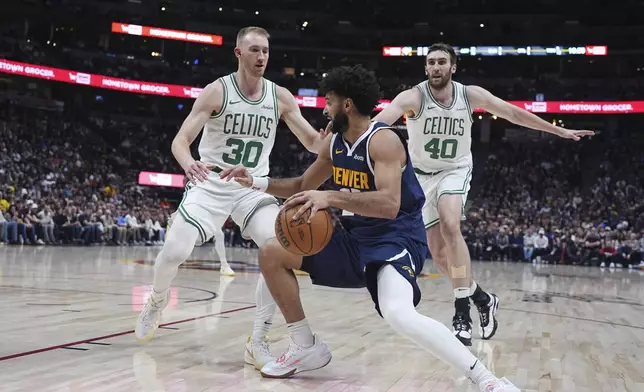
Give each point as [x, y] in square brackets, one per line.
[71, 154]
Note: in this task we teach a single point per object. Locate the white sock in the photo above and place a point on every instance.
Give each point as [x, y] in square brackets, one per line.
[461, 292]
[220, 248]
[395, 297]
[159, 296]
[480, 374]
[301, 334]
[175, 251]
[473, 287]
[265, 311]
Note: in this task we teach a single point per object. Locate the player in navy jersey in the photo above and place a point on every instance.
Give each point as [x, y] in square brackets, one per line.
[382, 243]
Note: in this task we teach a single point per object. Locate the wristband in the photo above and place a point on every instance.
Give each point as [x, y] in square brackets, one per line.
[260, 183]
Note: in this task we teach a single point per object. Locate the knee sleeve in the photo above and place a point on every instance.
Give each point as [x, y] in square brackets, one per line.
[261, 226]
[176, 250]
[396, 298]
[178, 246]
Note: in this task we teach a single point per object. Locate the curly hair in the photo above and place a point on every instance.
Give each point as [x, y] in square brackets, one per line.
[357, 83]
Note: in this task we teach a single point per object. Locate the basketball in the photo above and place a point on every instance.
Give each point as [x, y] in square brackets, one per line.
[300, 237]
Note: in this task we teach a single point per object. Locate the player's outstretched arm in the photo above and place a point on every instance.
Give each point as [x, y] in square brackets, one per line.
[209, 100]
[481, 98]
[408, 101]
[312, 178]
[290, 112]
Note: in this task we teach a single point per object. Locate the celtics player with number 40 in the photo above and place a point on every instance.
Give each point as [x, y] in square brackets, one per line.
[439, 124]
[239, 115]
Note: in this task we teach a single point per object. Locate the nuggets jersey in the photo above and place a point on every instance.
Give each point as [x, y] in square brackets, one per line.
[353, 172]
[440, 137]
[243, 131]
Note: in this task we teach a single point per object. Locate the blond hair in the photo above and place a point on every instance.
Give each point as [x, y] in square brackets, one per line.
[251, 29]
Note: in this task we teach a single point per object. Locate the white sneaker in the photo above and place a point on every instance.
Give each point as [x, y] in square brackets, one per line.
[258, 353]
[149, 318]
[498, 385]
[487, 318]
[602, 265]
[226, 270]
[297, 359]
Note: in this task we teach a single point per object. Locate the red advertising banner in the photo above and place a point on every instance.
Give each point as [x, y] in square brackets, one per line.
[162, 179]
[107, 82]
[158, 32]
[174, 90]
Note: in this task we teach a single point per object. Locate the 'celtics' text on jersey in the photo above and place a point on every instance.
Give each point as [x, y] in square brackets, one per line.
[440, 137]
[243, 131]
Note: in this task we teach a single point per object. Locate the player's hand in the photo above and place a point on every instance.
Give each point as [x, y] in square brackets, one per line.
[319, 142]
[324, 132]
[573, 134]
[238, 173]
[313, 200]
[196, 171]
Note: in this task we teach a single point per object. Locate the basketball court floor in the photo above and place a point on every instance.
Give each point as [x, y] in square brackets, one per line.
[67, 320]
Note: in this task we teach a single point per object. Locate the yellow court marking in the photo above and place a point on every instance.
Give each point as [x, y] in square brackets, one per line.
[430, 276]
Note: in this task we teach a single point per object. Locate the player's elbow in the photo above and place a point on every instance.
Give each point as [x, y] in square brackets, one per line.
[179, 141]
[391, 207]
[312, 148]
[300, 185]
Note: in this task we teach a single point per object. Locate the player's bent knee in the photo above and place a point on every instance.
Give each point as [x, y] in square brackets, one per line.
[261, 226]
[273, 256]
[178, 247]
[397, 314]
[451, 226]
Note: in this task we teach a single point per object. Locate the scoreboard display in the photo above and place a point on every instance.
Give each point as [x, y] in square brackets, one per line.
[588, 50]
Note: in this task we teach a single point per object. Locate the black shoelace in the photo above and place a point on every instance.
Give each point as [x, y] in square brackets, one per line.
[460, 323]
[484, 313]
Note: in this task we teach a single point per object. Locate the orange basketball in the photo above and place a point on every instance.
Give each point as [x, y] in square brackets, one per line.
[300, 237]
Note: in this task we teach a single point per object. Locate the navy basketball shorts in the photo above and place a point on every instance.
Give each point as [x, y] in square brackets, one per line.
[354, 262]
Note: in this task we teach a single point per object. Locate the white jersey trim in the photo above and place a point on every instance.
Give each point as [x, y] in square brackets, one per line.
[331, 145]
[368, 157]
[351, 149]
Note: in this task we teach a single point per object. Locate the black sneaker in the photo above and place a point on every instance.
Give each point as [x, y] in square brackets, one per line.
[462, 324]
[487, 317]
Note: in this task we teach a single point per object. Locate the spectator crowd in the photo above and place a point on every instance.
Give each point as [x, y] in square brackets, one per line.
[64, 181]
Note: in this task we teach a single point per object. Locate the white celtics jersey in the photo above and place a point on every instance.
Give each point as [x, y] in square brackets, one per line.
[440, 137]
[243, 131]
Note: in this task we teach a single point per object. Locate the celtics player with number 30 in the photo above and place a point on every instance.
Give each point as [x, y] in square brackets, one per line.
[439, 123]
[239, 115]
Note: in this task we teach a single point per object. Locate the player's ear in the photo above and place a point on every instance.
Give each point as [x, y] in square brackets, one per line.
[453, 69]
[347, 104]
[237, 52]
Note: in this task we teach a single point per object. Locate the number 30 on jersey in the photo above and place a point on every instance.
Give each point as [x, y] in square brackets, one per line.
[245, 153]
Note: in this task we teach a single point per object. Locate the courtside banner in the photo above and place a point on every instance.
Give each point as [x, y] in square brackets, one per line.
[162, 179]
[159, 32]
[174, 90]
